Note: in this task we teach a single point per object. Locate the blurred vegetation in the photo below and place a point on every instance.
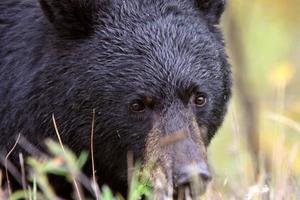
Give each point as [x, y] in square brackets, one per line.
[64, 163]
[263, 43]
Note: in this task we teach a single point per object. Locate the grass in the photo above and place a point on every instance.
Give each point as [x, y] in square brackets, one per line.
[279, 176]
[64, 163]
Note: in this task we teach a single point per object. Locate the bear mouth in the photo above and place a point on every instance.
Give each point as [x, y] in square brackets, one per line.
[183, 193]
[189, 191]
[193, 190]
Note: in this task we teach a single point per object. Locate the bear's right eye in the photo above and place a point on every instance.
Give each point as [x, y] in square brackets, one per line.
[137, 106]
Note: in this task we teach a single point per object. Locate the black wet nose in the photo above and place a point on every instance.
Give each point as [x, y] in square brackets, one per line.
[187, 174]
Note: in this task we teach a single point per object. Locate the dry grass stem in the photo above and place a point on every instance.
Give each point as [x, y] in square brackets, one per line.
[130, 167]
[92, 156]
[23, 173]
[6, 163]
[78, 191]
[284, 120]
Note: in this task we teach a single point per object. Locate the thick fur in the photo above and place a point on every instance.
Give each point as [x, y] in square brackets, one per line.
[69, 57]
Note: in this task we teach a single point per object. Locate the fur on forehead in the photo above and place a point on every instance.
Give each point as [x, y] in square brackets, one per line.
[77, 18]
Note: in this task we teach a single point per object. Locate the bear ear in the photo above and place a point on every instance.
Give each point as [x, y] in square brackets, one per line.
[212, 9]
[72, 18]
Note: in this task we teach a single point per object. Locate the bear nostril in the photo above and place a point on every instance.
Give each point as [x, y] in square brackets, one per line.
[205, 176]
[186, 174]
[183, 180]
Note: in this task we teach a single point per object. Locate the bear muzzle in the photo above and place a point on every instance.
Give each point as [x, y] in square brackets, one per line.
[176, 146]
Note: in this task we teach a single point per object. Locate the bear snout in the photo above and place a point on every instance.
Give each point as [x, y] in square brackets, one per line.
[191, 175]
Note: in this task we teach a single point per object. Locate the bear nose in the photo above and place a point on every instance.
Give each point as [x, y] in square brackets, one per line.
[187, 174]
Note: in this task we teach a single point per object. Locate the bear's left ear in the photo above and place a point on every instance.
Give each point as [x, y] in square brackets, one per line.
[72, 18]
[212, 9]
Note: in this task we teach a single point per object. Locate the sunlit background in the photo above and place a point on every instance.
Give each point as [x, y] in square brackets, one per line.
[256, 153]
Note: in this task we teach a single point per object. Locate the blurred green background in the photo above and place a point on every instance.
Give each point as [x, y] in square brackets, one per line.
[256, 155]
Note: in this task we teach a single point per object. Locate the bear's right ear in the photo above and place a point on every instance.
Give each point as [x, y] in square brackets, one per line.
[212, 9]
[72, 18]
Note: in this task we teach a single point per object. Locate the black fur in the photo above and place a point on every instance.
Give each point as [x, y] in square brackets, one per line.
[73, 56]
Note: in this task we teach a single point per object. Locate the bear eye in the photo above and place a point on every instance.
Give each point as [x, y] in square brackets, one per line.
[200, 100]
[137, 106]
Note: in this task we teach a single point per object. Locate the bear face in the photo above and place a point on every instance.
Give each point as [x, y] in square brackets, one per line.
[154, 71]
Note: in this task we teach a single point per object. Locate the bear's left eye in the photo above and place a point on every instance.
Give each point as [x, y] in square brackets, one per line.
[137, 106]
[200, 100]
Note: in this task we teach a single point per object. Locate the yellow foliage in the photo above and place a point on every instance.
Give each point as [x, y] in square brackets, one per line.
[281, 75]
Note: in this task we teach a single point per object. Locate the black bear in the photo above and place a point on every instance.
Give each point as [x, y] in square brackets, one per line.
[155, 72]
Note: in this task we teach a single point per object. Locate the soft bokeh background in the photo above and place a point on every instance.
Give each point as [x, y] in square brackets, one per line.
[256, 153]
